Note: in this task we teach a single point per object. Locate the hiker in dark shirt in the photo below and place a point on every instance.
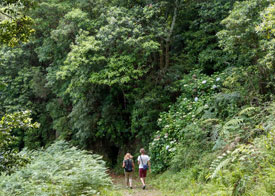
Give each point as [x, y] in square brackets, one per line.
[129, 167]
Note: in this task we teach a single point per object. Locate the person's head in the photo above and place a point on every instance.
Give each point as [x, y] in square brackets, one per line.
[128, 156]
[142, 151]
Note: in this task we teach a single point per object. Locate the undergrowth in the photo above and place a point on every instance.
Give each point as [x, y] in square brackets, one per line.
[245, 165]
[58, 170]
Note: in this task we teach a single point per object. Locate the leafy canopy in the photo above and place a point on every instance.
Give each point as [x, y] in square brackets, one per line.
[15, 25]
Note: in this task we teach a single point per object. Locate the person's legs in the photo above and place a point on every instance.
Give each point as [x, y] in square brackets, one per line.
[127, 178]
[130, 179]
[142, 175]
[142, 181]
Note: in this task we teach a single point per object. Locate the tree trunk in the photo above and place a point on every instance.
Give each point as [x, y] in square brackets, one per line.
[167, 57]
[161, 56]
[168, 40]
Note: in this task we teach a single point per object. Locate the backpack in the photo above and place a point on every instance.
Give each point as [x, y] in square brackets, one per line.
[128, 165]
[145, 166]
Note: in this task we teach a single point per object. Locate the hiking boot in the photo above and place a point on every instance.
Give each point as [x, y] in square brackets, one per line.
[144, 187]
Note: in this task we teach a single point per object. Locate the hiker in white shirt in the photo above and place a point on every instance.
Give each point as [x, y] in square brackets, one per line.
[144, 165]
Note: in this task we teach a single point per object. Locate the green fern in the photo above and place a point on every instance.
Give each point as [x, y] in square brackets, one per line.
[234, 122]
[247, 111]
[58, 170]
[210, 121]
[219, 167]
[241, 154]
[218, 164]
[269, 123]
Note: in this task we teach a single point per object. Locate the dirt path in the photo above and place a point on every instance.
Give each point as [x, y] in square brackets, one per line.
[137, 188]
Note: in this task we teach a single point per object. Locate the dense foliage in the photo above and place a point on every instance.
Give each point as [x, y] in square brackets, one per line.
[192, 81]
[212, 134]
[245, 169]
[9, 157]
[15, 26]
[96, 73]
[58, 170]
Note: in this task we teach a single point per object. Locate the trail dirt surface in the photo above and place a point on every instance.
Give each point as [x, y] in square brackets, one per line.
[137, 190]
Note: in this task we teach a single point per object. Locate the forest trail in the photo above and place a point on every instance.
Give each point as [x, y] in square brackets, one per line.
[137, 188]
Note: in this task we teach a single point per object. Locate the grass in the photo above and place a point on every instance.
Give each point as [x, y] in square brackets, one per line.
[181, 183]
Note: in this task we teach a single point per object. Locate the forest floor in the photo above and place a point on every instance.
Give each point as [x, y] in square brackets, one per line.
[137, 190]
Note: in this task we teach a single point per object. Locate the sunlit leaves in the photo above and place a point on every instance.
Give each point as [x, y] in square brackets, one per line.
[266, 30]
[268, 22]
[8, 156]
[15, 26]
[125, 40]
[13, 121]
[239, 37]
[248, 40]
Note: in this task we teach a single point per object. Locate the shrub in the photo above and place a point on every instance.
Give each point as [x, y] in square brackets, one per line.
[249, 167]
[181, 129]
[9, 158]
[58, 170]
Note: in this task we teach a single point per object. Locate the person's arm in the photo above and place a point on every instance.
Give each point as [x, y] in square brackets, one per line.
[138, 160]
[123, 164]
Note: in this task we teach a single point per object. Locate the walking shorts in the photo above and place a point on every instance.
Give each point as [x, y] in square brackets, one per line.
[142, 172]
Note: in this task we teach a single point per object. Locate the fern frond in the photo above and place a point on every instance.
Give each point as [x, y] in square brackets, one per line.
[210, 121]
[246, 111]
[234, 122]
[231, 125]
[219, 167]
[271, 108]
[218, 164]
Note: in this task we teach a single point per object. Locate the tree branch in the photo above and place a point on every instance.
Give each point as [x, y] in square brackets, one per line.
[167, 57]
[174, 20]
[3, 13]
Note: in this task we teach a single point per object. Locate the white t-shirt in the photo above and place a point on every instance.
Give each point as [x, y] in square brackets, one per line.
[145, 159]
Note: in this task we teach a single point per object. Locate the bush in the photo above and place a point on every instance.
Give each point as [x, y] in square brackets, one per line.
[58, 170]
[9, 158]
[181, 129]
[248, 170]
